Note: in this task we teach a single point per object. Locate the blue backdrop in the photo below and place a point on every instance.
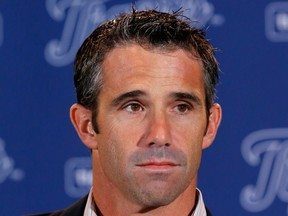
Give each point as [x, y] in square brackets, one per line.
[43, 164]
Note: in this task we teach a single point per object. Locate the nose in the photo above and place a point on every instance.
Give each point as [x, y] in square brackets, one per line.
[158, 130]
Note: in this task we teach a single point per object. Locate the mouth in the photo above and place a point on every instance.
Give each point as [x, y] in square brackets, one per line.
[158, 165]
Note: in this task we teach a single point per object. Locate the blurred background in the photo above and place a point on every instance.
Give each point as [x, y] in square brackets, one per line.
[43, 164]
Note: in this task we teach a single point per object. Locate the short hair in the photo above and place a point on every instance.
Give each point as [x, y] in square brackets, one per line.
[150, 29]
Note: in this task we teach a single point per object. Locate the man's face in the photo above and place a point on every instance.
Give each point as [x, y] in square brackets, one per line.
[152, 122]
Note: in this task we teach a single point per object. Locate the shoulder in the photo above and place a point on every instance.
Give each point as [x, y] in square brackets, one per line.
[75, 209]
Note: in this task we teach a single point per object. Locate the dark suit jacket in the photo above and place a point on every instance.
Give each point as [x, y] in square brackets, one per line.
[77, 209]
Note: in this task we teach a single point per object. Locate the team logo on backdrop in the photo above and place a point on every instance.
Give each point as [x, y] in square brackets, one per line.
[81, 16]
[276, 21]
[1, 30]
[267, 150]
[7, 169]
[78, 176]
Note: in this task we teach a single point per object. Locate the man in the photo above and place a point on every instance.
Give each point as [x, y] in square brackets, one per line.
[145, 85]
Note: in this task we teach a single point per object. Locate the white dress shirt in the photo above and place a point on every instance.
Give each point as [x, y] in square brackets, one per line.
[90, 209]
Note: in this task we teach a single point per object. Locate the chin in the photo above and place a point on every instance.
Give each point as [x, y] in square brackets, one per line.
[158, 195]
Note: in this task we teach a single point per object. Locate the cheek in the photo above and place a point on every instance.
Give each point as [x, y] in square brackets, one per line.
[189, 134]
[193, 151]
[190, 139]
[127, 132]
[111, 157]
[194, 155]
[114, 146]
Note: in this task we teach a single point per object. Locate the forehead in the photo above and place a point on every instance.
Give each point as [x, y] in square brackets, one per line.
[132, 65]
[116, 55]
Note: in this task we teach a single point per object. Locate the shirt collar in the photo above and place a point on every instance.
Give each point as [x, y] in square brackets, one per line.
[200, 206]
[90, 209]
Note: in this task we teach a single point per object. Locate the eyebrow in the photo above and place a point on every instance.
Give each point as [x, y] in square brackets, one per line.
[188, 96]
[132, 94]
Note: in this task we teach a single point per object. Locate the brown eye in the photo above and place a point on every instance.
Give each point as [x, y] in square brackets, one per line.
[183, 108]
[134, 107]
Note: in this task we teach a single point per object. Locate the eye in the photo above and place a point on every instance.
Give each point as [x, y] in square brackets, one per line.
[183, 108]
[133, 107]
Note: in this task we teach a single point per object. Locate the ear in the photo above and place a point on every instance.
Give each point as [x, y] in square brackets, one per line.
[81, 120]
[213, 124]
